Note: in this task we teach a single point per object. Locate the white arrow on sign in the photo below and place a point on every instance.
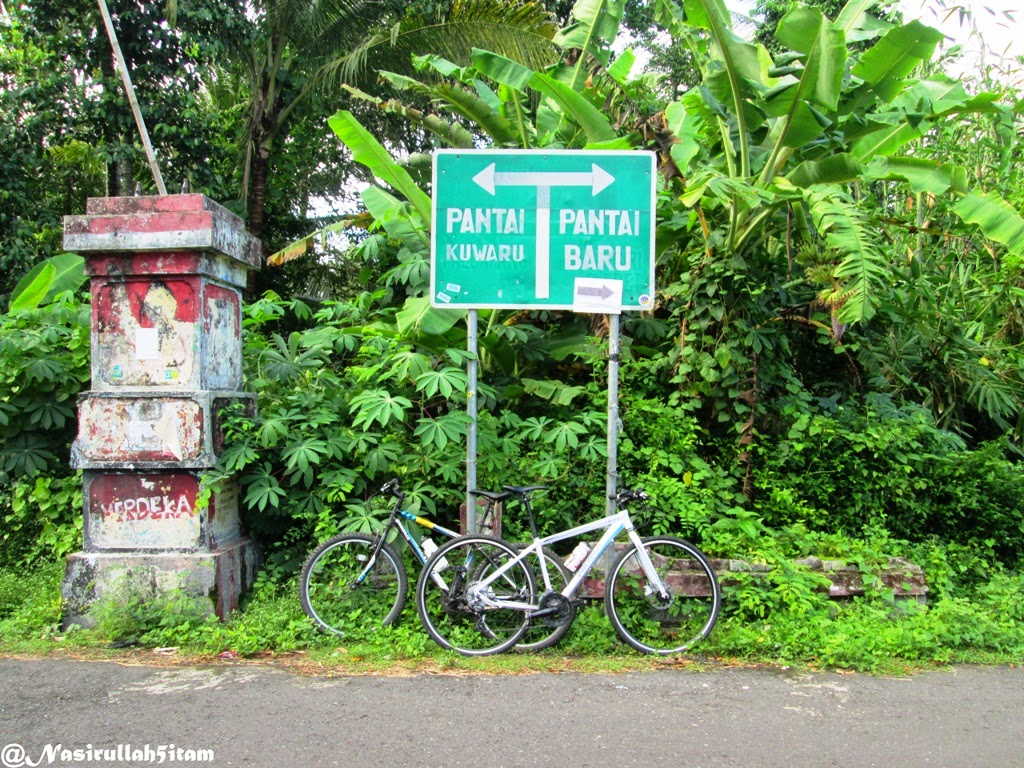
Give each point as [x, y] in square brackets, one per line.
[598, 179]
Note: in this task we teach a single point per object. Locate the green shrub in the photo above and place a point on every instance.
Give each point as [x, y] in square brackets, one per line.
[30, 600]
[891, 468]
[44, 364]
[42, 518]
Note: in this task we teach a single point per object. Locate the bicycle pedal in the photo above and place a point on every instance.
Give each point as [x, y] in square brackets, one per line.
[483, 629]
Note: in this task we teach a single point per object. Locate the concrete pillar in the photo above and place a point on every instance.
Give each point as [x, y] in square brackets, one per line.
[166, 274]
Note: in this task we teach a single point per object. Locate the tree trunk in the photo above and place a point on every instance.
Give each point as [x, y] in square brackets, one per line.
[257, 202]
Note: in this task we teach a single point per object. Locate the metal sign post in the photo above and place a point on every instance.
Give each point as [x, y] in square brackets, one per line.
[471, 400]
[611, 483]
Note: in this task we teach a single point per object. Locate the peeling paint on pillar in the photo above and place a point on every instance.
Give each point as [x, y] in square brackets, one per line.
[160, 510]
[123, 429]
[166, 279]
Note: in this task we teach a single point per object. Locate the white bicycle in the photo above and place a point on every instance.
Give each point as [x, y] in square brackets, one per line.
[478, 595]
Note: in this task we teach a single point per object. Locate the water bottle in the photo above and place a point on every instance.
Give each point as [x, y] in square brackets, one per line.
[577, 556]
[429, 548]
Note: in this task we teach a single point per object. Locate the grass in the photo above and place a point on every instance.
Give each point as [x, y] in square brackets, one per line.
[271, 628]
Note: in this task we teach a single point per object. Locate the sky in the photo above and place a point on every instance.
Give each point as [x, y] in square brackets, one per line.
[995, 29]
[986, 35]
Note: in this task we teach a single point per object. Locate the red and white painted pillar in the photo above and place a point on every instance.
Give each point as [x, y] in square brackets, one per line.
[167, 275]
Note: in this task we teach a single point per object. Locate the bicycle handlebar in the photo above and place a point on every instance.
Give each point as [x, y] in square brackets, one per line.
[627, 495]
[391, 487]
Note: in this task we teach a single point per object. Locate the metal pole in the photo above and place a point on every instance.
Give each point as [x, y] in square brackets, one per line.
[471, 400]
[611, 485]
[127, 80]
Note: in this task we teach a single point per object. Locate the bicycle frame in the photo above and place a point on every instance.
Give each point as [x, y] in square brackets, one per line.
[396, 520]
[612, 525]
[430, 525]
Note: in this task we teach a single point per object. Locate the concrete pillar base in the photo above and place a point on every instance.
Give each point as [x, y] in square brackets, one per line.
[215, 579]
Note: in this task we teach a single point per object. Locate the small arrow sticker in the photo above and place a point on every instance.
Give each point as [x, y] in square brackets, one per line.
[597, 295]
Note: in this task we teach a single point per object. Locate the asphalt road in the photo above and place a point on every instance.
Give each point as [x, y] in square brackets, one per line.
[252, 715]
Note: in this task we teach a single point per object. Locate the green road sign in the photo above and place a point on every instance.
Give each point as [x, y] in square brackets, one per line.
[560, 229]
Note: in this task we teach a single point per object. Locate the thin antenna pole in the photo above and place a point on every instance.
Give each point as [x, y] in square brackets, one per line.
[130, 89]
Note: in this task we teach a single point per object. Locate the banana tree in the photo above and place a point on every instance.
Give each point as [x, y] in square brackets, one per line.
[779, 157]
[765, 136]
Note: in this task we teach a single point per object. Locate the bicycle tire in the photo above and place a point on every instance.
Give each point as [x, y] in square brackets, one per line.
[445, 602]
[649, 624]
[539, 635]
[334, 602]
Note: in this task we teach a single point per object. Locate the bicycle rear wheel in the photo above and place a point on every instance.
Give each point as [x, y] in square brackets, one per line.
[457, 612]
[650, 623]
[339, 597]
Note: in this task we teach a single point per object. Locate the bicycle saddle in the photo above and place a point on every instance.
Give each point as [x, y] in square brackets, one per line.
[522, 490]
[492, 496]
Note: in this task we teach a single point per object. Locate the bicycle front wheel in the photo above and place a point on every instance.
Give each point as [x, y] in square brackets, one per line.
[458, 611]
[341, 595]
[663, 624]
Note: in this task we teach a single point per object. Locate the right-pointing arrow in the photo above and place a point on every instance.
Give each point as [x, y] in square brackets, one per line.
[601, 291]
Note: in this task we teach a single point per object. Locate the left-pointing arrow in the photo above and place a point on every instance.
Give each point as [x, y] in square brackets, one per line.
[597, 179]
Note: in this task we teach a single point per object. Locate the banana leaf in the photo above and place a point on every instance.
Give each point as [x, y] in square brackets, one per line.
[921, 174]
[575, 106]
[996, 218]
[502, 69]
[369, 152]
[885, 65]
[63, 272]
[595, 28]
